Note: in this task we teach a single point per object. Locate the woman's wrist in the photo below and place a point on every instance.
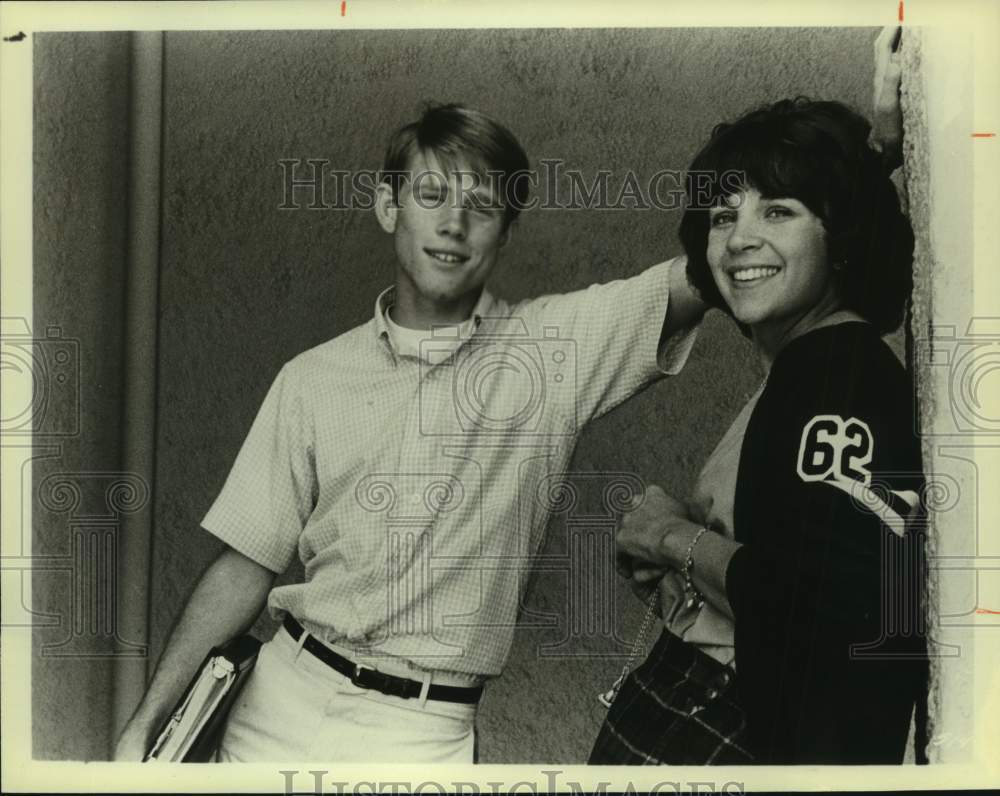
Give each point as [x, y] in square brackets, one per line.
[675, 542]
[693, 597]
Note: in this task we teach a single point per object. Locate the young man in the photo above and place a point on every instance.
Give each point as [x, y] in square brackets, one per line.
[400, 461]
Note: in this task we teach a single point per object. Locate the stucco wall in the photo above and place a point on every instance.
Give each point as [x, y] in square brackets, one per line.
[953, 366]
[81, 180]
[245, 286]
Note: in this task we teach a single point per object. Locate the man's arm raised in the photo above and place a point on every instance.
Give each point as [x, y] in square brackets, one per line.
[228, 598]
[887, 115]
[685, 307]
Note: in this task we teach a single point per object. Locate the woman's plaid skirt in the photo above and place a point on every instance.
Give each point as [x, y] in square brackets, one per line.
[678, 708]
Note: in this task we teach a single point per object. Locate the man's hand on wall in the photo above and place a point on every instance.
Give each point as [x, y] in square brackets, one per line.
[887, 116]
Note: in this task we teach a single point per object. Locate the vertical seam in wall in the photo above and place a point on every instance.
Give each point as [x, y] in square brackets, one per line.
[154, 420]
[139, 357]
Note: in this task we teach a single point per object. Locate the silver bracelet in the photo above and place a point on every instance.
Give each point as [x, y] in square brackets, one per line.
[692, 597]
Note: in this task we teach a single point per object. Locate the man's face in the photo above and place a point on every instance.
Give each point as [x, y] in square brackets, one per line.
[448, 232]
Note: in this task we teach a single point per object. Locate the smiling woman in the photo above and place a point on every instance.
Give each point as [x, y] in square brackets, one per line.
[769, 261]
[790, 587]
[802, 166]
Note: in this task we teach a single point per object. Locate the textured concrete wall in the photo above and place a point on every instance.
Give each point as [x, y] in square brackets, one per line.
[938, 115]
[246, 286]
[80, 189]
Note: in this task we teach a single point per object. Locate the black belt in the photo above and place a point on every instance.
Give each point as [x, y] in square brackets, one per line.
[365, 677]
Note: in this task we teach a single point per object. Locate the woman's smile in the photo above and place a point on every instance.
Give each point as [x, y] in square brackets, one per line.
[746, 276]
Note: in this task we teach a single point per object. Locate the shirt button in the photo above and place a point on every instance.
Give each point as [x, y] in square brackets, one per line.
[712, 694]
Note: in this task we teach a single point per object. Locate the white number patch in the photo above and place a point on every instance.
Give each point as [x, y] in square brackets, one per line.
[834, 449]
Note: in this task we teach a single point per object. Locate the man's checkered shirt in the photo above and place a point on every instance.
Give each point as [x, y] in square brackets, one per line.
[407, 487]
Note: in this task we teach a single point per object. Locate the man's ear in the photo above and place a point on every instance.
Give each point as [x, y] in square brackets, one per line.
[386, 208]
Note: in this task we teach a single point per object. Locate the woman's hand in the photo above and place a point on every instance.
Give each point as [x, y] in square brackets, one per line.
[652, 543]
[645, 536]
[887, 116]
[645, 580]
[663, 586]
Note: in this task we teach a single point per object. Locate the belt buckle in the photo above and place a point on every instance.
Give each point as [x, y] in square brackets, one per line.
[356, 676]
[374, 680]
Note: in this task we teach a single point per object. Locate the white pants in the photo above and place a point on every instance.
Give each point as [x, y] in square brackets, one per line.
[296, 708]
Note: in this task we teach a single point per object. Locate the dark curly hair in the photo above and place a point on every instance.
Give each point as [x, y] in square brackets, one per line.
[817, 153]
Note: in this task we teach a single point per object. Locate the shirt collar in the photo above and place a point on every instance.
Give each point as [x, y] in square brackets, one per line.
[387, 296]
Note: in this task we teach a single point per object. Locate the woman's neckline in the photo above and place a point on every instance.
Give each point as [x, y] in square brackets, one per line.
[831, 321]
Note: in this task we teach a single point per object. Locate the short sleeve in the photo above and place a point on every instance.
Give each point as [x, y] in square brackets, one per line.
[270, 491]
[615, 330]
